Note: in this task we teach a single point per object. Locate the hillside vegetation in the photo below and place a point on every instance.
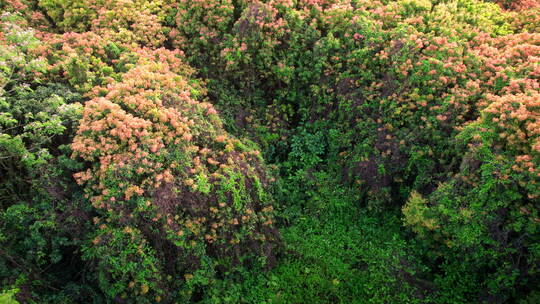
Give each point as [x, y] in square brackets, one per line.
[269, 151]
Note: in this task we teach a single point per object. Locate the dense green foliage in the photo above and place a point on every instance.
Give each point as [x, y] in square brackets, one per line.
[270, 151]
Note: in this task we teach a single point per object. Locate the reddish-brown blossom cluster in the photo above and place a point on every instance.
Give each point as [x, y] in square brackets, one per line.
[26, 8]
[519, 5]
[515, 56]
[155, 150]
[516, 120]
[136, 119]
[82, 59]
[130, 23]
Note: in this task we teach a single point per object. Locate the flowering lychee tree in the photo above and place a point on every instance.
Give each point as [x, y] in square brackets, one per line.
[123, 149]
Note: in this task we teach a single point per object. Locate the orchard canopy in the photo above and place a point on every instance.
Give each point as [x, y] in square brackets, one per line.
[269, 151]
